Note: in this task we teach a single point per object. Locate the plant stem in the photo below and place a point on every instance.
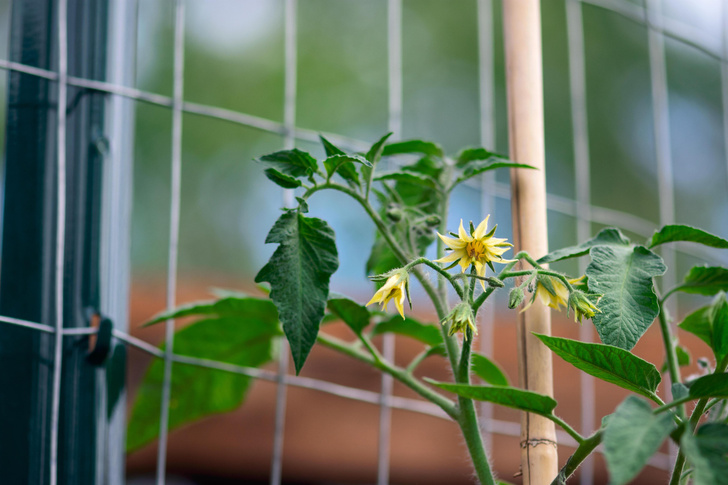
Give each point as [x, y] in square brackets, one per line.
[440, 271]
[670, 352]
[584, 449]
[471, 432]
[694, 419]
[565, 426]
[398, 373]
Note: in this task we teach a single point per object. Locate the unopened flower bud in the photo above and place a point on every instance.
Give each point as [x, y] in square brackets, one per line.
[394, 214]
[515, 297]
[494, 282]
[461, 318]
[432, 220]
[583, 305]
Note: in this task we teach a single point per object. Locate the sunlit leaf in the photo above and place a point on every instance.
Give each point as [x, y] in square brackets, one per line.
[712, 385]
[295, 163]
[344, 166]
[472, 154]
[299, 272]
[281, 179]
[623, 275]
[606, 362]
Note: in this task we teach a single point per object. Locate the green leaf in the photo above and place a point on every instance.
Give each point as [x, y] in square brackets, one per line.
[285, 181]
[606, 362]
[350, 312]
[629, 305]
[707, 451]
[719, 323]
[673, 233]
[414, 146]
[407, 177]
[344, 165]
[330, 148]
[229, 304]
[679, 391]
[238, 331]
[705, 280]
[373, 155]
[480, 166]
[606, 237]
[424, 332]
[698, 323]
[511, 397]
[472, 154]
[712, 385]
[291, 162]
[488, 370]
[632, 436]
[299, 272]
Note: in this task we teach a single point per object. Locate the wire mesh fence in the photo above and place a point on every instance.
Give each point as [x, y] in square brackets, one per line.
[580, 206]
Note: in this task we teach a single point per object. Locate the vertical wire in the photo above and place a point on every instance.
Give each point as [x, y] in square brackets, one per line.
[486, 78]
[394, 66]
[577, 91]
[289, 121]
[661, 116]
[178, 91]
[60, 233]
[724, 82]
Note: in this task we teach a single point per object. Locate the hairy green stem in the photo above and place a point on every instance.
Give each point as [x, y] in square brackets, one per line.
[397, 372]
[585, 448]
[694, 419]
[439, 270]
[569, 430]
[670, 352]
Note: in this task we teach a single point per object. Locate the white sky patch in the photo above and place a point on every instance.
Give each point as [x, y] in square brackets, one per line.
[234, 24]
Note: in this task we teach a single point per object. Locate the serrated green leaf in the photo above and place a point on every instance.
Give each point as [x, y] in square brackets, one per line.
[295, 163]
[285, 181]
[511, 397]
[424, 332]
[698, 323]
[488, 370]
[299, 272]
[472, 154]
[238, 331]
[407, 177]
[606, 237]
[350, 312]
[344, 166]
[707, 451]
[676, 232]
[623, 275]
[606, 362]
[413, 146]
[705, 280]
[712, 385]
[330, 148]
[632, 436]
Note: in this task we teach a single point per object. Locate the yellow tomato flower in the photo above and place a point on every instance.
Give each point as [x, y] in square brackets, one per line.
[394, 289]
[583, 306]
[479, 248]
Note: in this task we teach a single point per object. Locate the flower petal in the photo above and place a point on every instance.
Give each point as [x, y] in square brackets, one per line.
[463, 235]
[482, 228]
[452, 242]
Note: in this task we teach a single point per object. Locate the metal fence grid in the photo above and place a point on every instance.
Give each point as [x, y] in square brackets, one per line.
[585, 213]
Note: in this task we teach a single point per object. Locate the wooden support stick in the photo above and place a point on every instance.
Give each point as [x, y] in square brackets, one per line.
[522, 30]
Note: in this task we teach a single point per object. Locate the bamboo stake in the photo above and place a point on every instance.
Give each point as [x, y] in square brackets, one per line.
[522, 31]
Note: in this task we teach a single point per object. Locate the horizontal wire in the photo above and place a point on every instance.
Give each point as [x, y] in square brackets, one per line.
[563, 205]
[497, 426]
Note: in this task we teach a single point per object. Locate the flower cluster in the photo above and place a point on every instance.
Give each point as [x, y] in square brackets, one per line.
[395, 288]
